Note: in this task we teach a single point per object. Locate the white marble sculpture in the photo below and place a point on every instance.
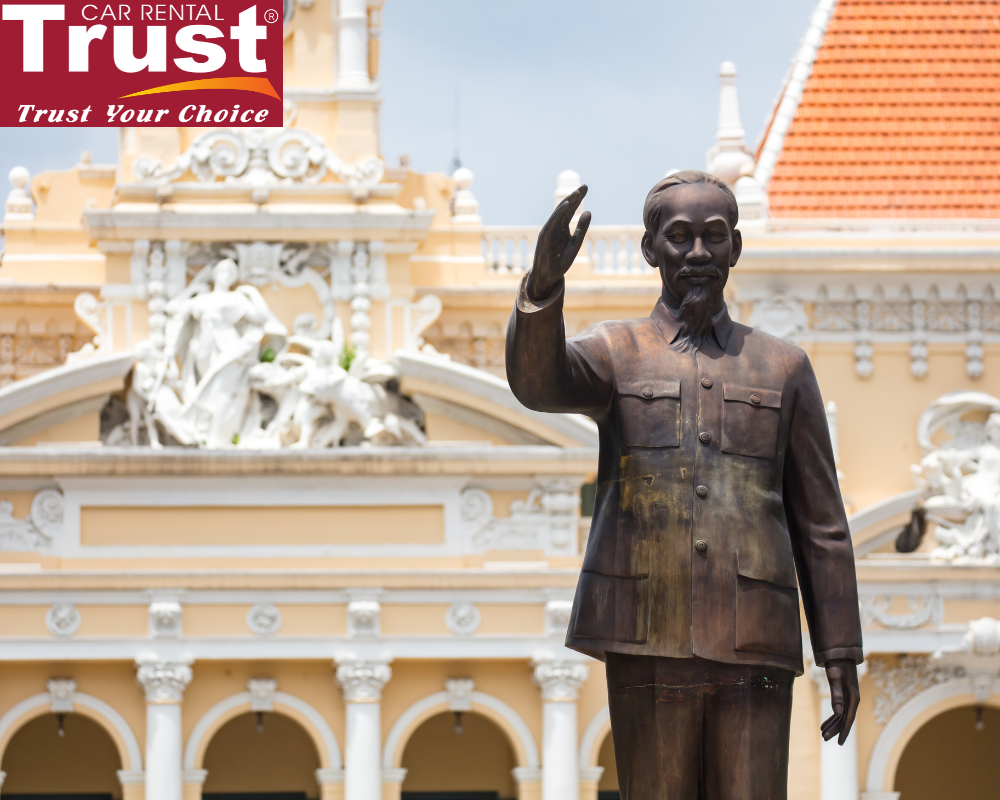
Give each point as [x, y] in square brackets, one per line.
[961, 476]
[230, 376]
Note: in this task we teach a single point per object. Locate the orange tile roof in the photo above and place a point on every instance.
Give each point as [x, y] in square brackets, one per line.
[900, 116]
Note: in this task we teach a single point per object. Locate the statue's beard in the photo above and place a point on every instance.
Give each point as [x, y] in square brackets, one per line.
[695, 312]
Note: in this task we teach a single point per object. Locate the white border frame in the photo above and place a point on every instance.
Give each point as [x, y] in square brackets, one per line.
[115, 720]
[331, 759]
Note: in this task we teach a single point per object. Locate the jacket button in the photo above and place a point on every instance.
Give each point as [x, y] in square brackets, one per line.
[647, 392]
[706, 382]
[705, 437]
[701, 545]
[755, 399]
[701, 491]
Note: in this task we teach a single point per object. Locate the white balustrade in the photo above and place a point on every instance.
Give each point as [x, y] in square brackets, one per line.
[608, 250]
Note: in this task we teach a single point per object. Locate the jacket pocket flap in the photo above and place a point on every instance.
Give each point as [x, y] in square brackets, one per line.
[650, 389]
[765, 398]
[771, 573]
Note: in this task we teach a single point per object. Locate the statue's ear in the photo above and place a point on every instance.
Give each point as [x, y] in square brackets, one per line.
[647, 250]
[737, 248]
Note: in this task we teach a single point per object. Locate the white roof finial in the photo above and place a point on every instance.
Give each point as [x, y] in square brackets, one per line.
[18, 205]
[464, 206]
[728, 157]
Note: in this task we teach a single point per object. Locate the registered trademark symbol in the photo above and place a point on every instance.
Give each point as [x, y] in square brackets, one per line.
[270, 15]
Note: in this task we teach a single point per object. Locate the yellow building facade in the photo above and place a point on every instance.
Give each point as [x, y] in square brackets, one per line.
[279, 528]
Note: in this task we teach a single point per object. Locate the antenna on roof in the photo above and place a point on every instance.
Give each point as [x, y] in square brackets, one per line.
[456, 162]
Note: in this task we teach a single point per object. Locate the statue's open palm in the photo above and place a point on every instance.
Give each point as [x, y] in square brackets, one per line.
[557, 248]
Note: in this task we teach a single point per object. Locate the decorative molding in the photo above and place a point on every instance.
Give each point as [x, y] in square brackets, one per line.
[163, 681]
[460, 691]
[983, 637]
[62, 619]
[195, 777]
[396, 775]
[18, 206]
[547, 520]
[264, 619]
[36, 532]
[364, 618]
[61, 692]
[560, 681]
[258, 157]
[329, 777]
[896, 684]
[557, 614]
[165, 619]
[363, 681]
[462, 618]
[924, 609]
[262, 691]
[781, 316]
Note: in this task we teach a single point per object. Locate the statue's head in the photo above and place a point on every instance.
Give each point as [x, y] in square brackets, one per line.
[225, 274]
[691, 238]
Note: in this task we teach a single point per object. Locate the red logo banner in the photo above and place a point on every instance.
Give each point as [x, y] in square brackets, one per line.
[151, 64]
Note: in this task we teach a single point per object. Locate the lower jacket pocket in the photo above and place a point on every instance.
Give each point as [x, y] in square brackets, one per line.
[612, 608]
[767, 618]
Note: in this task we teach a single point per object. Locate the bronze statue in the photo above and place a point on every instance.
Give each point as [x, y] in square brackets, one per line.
[716, 486]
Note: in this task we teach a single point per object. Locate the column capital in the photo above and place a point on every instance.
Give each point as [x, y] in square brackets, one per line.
[362, 681]
[195, 776]
[560, 681]
[131, 777]
[164, 682]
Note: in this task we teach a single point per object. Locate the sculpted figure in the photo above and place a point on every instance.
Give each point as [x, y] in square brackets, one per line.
[217, 336]
[717, 504]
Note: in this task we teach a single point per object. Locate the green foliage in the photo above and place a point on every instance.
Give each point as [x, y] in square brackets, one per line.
[268, 355]
[236, 438]
[347, 356]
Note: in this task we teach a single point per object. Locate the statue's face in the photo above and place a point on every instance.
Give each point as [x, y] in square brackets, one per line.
[693, 244]
[224, 275]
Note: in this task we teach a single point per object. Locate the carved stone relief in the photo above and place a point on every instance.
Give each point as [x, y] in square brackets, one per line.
[264, 619]
[35, 532]
[462, 619]
[897, 683]
[62, 619]
[547, 520]
[924, 610]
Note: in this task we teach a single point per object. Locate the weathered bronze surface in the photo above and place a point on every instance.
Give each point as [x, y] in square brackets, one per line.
[716, 489]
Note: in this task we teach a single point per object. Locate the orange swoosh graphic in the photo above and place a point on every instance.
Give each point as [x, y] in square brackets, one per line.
[259, 85]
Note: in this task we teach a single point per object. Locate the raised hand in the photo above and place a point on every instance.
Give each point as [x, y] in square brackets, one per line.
[844, 697]
[557, 248]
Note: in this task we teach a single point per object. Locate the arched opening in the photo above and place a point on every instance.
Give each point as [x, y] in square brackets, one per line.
[82, 762]
[458, 757]
[952, 755]
[607, 788]
[261, 757]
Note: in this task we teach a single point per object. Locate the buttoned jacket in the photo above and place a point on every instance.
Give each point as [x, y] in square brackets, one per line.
[716, 489]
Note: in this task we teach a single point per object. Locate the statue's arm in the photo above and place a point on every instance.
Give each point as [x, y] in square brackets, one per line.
[824, 556]
[545, 371]
[821, 539]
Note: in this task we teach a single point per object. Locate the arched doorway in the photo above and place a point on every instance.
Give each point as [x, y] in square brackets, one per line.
[464, 757]
[607, 788]
[40, 763]
[261, 757]
[952, 756]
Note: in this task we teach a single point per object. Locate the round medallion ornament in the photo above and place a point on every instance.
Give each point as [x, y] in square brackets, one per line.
[63, 619]
[462, 619]
[264, 619]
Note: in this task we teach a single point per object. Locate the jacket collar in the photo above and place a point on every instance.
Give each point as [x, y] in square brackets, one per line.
[666, 320]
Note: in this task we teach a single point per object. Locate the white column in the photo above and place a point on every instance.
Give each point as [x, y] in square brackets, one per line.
[560, 682]
[362, 682]
[352, 21]
[838, 765]
[164, 683]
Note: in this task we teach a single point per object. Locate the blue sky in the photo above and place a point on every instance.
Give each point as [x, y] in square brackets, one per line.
[618, 90]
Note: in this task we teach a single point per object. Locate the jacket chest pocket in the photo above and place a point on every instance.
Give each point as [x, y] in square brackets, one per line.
[650, 412]
[750, 420]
